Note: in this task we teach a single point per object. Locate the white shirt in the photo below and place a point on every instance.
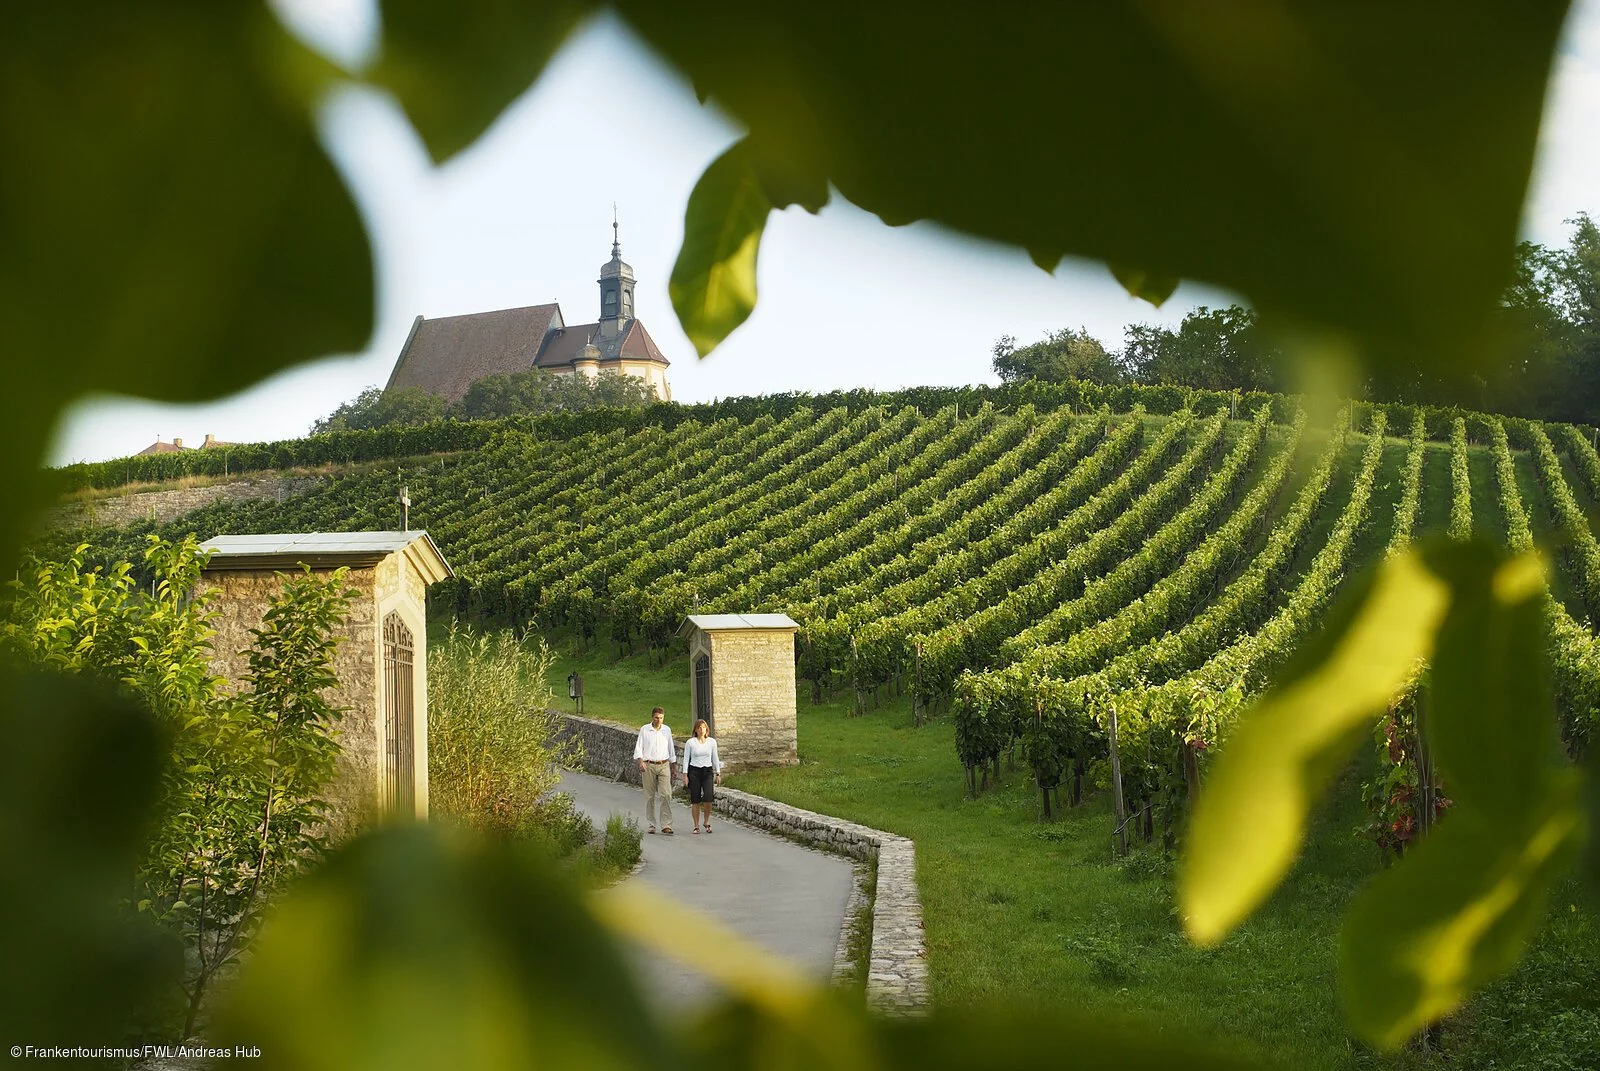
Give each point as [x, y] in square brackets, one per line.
[697, 752]
[655, 744]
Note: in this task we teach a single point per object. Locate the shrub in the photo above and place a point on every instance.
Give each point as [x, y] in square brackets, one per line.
[240, 808]
[493, 748]
[623, 845]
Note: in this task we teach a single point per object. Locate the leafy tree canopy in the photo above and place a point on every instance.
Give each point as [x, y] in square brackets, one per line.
[1545, 330]
[376, 408]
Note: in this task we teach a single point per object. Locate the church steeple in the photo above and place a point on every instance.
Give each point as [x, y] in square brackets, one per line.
[616, 286]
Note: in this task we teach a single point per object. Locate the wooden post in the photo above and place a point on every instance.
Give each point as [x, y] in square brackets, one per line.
[855, 686]
[1116, 782]
[916, 688]
[1191, 773]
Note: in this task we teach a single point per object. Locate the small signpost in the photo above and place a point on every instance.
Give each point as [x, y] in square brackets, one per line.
[575, 690]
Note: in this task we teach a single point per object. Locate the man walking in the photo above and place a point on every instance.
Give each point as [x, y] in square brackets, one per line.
[657, 757]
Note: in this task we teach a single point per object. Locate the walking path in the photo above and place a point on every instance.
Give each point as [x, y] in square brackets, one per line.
[788, 899]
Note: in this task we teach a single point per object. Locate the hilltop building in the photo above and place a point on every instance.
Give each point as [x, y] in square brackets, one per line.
[176, 446]
[446, 355]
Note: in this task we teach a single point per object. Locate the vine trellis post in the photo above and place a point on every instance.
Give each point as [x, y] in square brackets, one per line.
[1116, 781]
[916, 688]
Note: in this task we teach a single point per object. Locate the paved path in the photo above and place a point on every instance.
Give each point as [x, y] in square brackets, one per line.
[786, 898]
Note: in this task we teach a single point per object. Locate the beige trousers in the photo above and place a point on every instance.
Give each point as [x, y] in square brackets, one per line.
[658, 786]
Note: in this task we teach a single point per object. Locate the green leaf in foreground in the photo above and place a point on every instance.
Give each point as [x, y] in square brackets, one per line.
[713, 284]
[173, 228]
[1155, 289]
[1459, 909]
[78, 775]
[1251, 817]
[454, 67]
[1456, 913]
[413, 949]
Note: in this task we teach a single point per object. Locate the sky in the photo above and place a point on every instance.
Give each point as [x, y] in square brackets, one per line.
[524, 217]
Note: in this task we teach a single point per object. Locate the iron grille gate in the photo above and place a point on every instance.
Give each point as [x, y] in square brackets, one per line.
[702, 691]
[399, 716]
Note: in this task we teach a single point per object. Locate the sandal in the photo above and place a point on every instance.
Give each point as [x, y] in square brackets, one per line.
[667, 830]
[708, 829]
[695, 830]
[652, 829]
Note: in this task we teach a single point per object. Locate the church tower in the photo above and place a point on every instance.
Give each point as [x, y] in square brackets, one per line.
[616, 289]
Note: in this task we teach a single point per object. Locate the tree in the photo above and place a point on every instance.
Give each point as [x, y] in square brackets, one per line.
[376, 408]
[508, 394]
[1216, 349]
[1067, 354]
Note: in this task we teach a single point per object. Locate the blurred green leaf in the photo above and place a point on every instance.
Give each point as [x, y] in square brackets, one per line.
[1458, 911]
[78, 775]
[171, 226]
[413, 949]
[1424, 935]
[1141, 284]
[1490, 724]
[1252, 813]
[713, 283]
[1317, 160]
[455, 67]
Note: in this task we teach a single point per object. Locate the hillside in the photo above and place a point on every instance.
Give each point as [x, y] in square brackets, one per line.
[1013, 573]
[1000, 563]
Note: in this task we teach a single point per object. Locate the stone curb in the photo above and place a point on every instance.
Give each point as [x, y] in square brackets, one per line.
[897, 976]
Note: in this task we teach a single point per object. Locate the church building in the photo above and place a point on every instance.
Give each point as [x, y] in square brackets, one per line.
[446, 355]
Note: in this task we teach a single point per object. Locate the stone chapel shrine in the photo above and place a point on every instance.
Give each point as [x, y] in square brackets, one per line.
[381, 659]
[446, 355]
[741, 669]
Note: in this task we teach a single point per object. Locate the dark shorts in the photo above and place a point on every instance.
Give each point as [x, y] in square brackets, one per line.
[700, 784]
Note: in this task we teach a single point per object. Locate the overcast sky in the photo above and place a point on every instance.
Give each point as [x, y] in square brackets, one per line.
[524, 217]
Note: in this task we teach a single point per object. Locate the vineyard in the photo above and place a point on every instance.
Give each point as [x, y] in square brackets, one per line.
[1050, 579]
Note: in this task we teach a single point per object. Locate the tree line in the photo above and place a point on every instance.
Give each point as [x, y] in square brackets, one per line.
[1546, 334]
[505, 394]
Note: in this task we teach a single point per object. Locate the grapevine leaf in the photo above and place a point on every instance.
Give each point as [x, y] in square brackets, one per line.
[1489, 722]
[414, 949]
[455, 67]
[1252, 814]
[1458, 911]
[174, 228]
[713, 283]
[1155, 289]
[78, 774]
[1284, 151]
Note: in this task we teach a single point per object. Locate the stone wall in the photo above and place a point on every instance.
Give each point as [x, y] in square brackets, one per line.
[164, 506]
[897, 978]
[607, 748]
[243, 598]
[753, 697]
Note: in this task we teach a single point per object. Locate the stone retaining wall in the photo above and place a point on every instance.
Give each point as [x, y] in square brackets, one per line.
[897, 977]
[163, 506]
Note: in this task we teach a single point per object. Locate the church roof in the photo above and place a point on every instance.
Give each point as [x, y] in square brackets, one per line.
[633, 343]
[445, 356]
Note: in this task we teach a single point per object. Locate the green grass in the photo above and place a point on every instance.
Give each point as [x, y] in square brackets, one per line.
[1024, 912]
[622, 690]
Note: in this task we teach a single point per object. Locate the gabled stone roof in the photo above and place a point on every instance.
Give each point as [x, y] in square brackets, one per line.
[633, 343]
[445, 356]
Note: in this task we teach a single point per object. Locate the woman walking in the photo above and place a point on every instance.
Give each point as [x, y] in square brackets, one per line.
[701, 766]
